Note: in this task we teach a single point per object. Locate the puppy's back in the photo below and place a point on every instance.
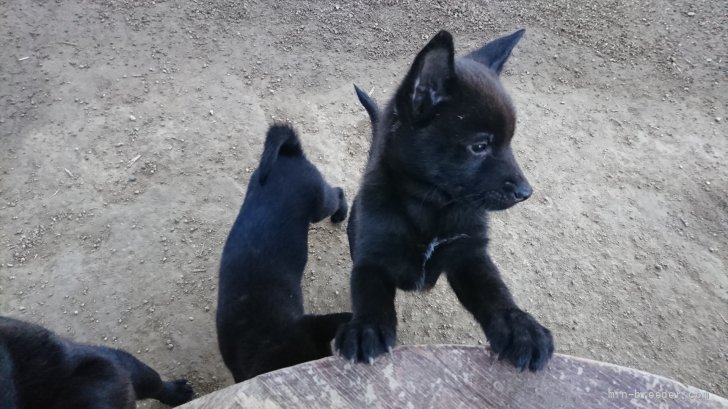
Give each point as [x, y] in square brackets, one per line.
[41, 352]
[39, 360]
[268, 239]
[260, 302]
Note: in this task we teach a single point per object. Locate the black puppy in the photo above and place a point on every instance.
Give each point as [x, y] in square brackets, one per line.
[40, 370]
[261, 325]
[440, 159]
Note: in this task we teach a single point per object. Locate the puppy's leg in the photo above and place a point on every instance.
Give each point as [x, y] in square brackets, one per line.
[351, 228]
[373, 328]
[148, 384]
[332, 203]
[322, 329]
[95, 395]
[175, 393]
[513, 334]
[95, 383]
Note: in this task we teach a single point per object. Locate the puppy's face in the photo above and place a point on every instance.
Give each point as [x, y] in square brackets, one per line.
[454, 123]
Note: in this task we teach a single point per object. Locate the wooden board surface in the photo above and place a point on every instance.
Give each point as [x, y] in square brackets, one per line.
[456, 377]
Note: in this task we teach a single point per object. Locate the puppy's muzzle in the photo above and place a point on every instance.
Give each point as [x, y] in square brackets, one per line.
[518, 191]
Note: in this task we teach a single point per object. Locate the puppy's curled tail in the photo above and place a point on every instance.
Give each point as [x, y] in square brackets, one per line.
[280, 140]
[369, 105]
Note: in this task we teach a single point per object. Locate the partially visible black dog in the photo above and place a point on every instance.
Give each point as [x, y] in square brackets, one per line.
[261, 325]
[40, 370]
[440, 159]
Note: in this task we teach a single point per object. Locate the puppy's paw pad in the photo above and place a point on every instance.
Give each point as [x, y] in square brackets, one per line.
[516, 336]
[359, 341]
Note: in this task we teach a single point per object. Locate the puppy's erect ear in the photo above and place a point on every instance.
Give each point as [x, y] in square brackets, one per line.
[495, 53]
[429, 81]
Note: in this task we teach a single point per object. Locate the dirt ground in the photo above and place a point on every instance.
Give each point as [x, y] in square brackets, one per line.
[128, 130]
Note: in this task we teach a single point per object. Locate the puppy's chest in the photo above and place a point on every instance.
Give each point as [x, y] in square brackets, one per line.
[428, 272]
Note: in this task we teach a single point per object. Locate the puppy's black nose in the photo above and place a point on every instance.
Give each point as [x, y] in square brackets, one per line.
[520, 191]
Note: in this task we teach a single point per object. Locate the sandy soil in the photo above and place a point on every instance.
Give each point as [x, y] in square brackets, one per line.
[128, 130]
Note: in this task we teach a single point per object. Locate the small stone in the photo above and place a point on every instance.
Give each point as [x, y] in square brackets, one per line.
[718, 119]
[690, 13]
[132, 118]
[192, 318]
[22, 308]
[170, 346]
[212, 112]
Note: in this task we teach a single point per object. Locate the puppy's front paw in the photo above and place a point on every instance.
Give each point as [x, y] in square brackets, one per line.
[515, 335]
[177, 392]
[360, 341]
[340, 214]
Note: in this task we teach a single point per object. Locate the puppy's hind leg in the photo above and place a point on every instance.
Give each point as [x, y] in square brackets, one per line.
[175, 393]
[96, 382]
[332, 203]
[149, 385]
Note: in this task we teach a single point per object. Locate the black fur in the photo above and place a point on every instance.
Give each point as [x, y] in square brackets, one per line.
[40, 370]
[440, 160]
[261, 324]
[369, 105]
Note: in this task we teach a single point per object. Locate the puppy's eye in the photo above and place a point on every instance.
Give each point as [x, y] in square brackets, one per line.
[483, 145]
[480, 148]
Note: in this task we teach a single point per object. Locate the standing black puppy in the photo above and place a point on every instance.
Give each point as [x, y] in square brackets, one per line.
[261, 325]
[40, 370]
[440, 159]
